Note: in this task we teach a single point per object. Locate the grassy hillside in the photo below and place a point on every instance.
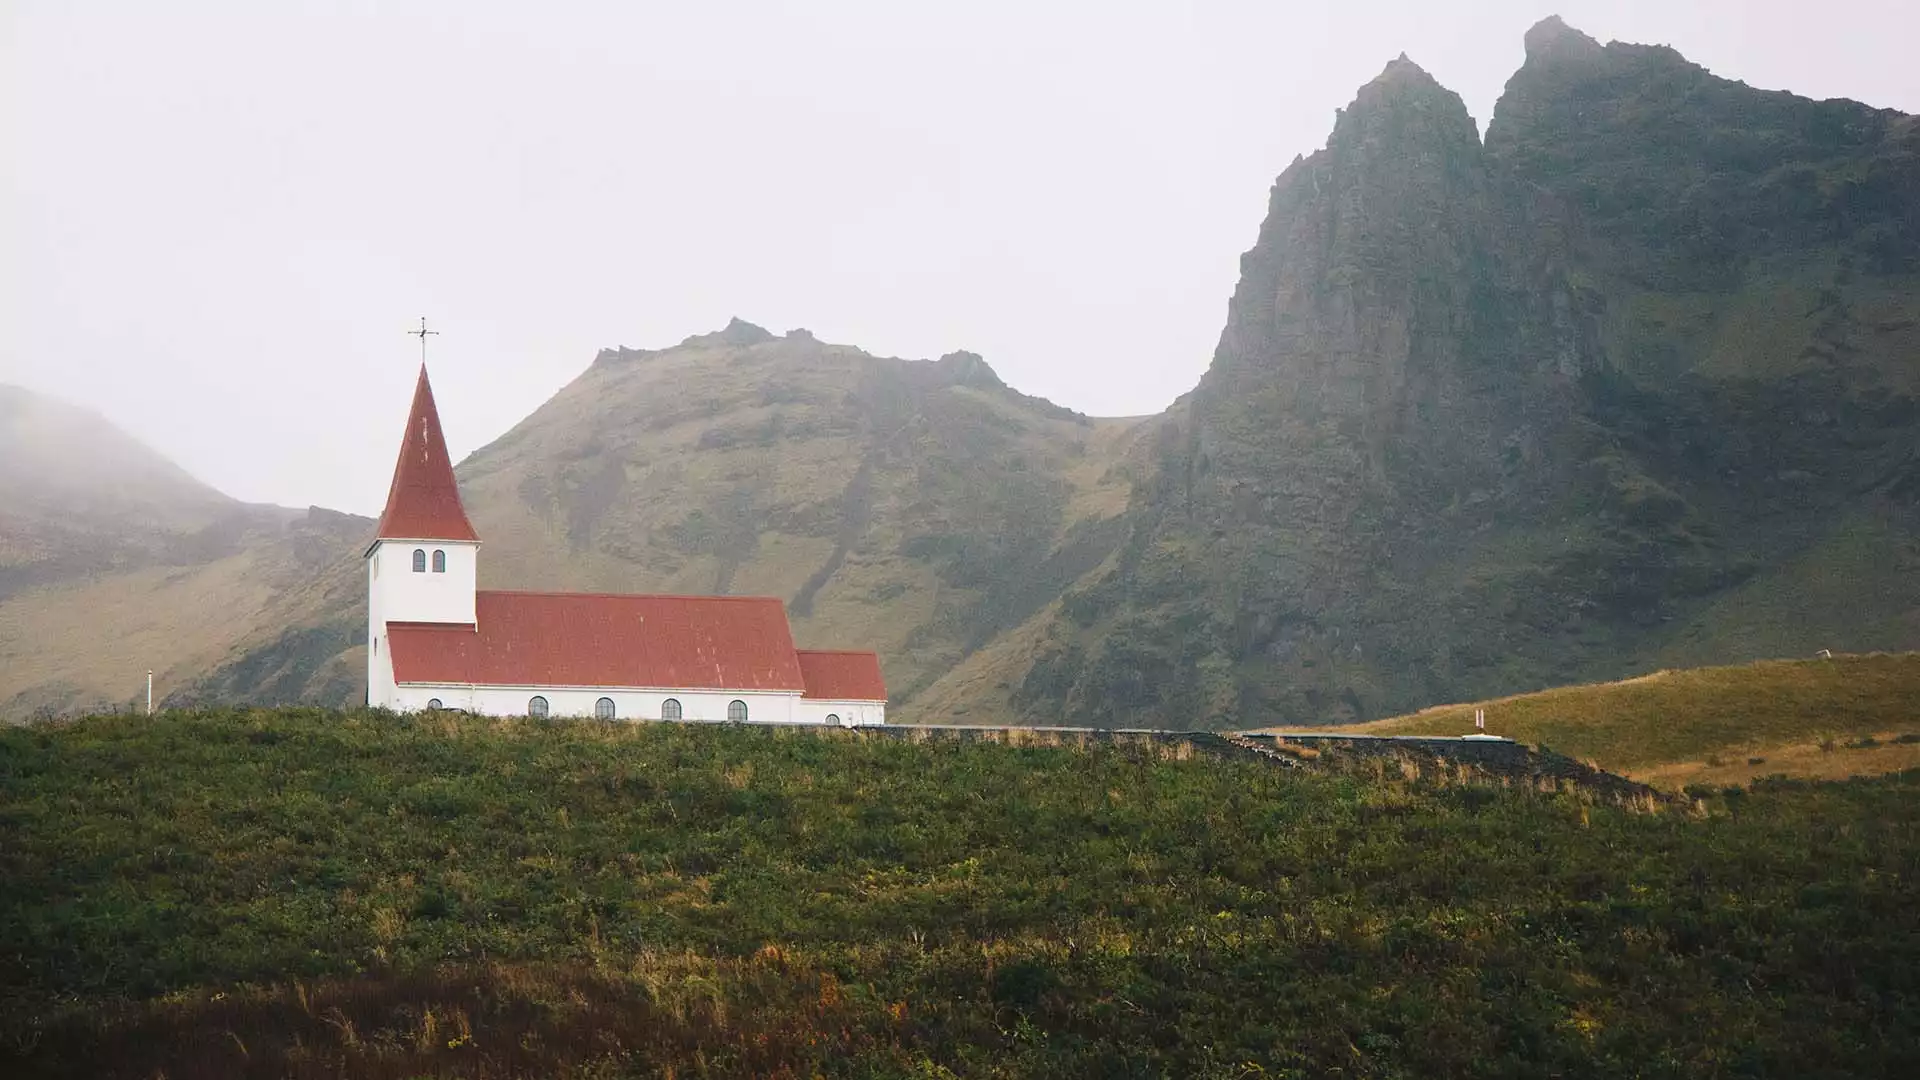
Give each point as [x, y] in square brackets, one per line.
[309, 893]
[1856, 713]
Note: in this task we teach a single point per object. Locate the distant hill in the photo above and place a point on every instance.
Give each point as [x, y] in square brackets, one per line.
[58, 453]
[922, 508]
[80, 495]
[113, 560]
[1845, 716]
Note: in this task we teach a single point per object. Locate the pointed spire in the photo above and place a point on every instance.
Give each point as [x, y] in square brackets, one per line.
[424, 502]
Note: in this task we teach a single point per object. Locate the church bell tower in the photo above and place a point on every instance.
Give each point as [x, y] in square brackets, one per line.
[424, 563]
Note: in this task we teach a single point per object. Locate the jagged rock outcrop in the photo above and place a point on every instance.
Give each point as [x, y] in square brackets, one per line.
[1686, 179]
[1424, 464]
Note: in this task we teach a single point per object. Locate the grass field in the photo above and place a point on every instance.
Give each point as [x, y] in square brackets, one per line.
[1823, 719]
[311, 893]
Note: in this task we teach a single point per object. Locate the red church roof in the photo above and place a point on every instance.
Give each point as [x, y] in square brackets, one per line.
[596, 639]
[424, 502]
[842, 676]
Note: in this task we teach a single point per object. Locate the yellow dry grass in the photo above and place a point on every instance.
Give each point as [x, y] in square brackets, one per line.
[1828, 759]
[94, 641]
[1676, 726]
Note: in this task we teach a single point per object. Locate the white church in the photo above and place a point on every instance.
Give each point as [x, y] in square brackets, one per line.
[436, 640]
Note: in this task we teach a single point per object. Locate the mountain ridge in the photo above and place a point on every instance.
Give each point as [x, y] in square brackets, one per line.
[1454, 437]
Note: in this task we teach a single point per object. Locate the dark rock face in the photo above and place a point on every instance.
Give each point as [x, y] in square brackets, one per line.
[1684, 178]
[1454, 440]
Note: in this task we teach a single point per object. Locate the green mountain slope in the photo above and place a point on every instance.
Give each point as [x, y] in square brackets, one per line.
[919, 508]
[1757, 256]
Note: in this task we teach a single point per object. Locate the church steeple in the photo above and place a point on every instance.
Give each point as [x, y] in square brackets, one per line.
[424, 502]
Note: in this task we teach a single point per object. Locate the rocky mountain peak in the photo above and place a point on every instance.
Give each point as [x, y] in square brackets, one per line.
[1719, 173]
[1551, 40]
[1401, 106]
[738, 333]
[1397, 193]
[1402, 67]
[1402, 81]
[965, 368]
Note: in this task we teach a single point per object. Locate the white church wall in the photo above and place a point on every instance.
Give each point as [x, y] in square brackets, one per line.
[380, 687]
[404, 596]
[849, 713]
[629, 704]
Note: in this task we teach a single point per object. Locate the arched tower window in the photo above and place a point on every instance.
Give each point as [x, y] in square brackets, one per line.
[670, 709]
[537, 706]
[433, 704]
[419, 560]
[603, 709]
[833, 719]
[439, 562]
[737, 711]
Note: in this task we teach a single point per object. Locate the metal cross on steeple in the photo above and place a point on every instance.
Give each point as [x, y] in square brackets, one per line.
[422, 335]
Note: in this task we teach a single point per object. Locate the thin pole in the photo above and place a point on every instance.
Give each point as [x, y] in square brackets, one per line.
[149, 691]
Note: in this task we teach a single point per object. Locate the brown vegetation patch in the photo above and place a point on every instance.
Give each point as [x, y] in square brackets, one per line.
[762, 1015]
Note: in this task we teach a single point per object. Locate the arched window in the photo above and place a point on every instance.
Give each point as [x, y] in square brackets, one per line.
[736, 711]
[670, 709]
[439, 562]
[419, 561]
[603, 709]
[433, 704]
[537, 707]
[833, 719]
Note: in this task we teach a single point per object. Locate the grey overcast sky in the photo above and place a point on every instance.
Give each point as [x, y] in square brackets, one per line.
[221, 218]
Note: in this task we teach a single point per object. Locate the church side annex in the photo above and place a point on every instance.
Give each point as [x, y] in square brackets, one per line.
[437, 640]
